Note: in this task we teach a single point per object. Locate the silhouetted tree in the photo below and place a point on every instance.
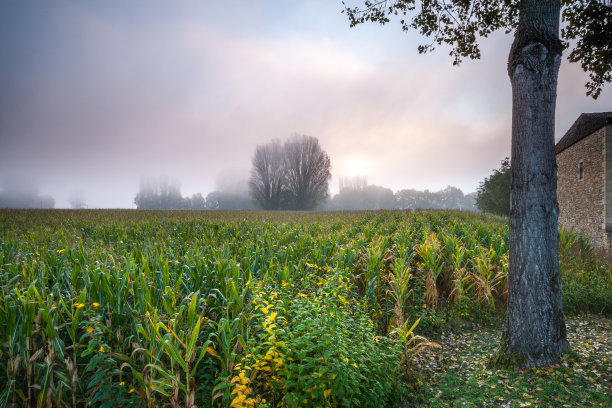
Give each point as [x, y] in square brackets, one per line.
[266, 182]
[534, 333]
[494, 192]
[307, 172]
[293, 176]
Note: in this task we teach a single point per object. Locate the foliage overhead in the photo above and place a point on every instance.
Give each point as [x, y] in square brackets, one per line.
[589, 23]
[460, 23]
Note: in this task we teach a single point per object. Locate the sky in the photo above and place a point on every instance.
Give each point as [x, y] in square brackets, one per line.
[96, 95]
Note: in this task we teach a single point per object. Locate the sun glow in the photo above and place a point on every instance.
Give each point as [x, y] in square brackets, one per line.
[354, 166]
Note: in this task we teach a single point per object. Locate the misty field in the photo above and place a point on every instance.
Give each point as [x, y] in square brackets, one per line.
[198, 308]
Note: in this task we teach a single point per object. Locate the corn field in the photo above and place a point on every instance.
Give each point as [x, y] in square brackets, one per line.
[186, 309]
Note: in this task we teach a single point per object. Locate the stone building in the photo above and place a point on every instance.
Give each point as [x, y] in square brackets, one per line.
[584, 178]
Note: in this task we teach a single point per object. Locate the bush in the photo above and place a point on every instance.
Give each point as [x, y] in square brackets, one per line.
[315, 347]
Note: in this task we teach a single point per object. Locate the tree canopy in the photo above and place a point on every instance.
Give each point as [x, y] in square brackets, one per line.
[493, 194]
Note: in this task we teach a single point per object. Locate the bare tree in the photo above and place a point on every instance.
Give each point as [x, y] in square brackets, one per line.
[266, 180]
[293, 176]
[307, 172]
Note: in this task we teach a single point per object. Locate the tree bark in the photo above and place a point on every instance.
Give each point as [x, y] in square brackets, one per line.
[534, 334]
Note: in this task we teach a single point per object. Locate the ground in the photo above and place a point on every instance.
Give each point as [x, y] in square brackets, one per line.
[455, 375]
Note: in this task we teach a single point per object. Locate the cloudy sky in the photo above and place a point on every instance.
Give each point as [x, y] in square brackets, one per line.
[96, 95]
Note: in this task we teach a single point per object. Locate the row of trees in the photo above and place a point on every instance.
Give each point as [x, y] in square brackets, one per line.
[161, 194]
[356, 194]
[293, 175]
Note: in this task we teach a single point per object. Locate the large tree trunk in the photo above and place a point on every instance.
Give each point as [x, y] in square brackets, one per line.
[534, 334]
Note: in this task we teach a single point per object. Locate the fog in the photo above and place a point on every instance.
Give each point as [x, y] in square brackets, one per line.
[96, 96]
[22, 192]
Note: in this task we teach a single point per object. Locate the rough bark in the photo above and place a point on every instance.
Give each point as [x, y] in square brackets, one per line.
[534, 333]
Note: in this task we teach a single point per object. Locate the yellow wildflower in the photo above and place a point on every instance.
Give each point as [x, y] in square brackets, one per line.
[101, 350]
[131, 391]
[79, 305]
[95, 304]
[89, 329]
[273, 316]
[60, 251]
[122, 383]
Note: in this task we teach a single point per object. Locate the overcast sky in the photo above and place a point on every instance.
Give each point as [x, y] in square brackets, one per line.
[94, 95]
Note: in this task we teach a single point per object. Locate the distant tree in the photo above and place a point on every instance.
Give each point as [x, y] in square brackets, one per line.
[293, 176]
[160, 194]
[493, 194]
[469, 202]
[307, 172]
[356, 194]
[197, 202]
[77, 201]
[355, 183]
[266, 182]
[449, 198]
[25, 199]
[229, 200]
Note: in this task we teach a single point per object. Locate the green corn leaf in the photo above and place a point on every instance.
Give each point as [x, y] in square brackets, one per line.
[193, 339]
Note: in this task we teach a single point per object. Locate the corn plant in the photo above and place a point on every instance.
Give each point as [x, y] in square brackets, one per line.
[399, 287]
[412, 344]
[173, 355]
[374, 259]
[488, 278]
[431, 264]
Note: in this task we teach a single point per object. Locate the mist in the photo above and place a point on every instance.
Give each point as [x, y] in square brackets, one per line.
[22, 192]
[94, 96]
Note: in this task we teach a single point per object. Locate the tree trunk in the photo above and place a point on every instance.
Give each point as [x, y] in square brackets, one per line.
[534, 334]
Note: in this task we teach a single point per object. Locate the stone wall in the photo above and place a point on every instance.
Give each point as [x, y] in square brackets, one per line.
[582, 202]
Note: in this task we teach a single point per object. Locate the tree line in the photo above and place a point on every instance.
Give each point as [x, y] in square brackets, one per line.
[164, 194]
[295, 175]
